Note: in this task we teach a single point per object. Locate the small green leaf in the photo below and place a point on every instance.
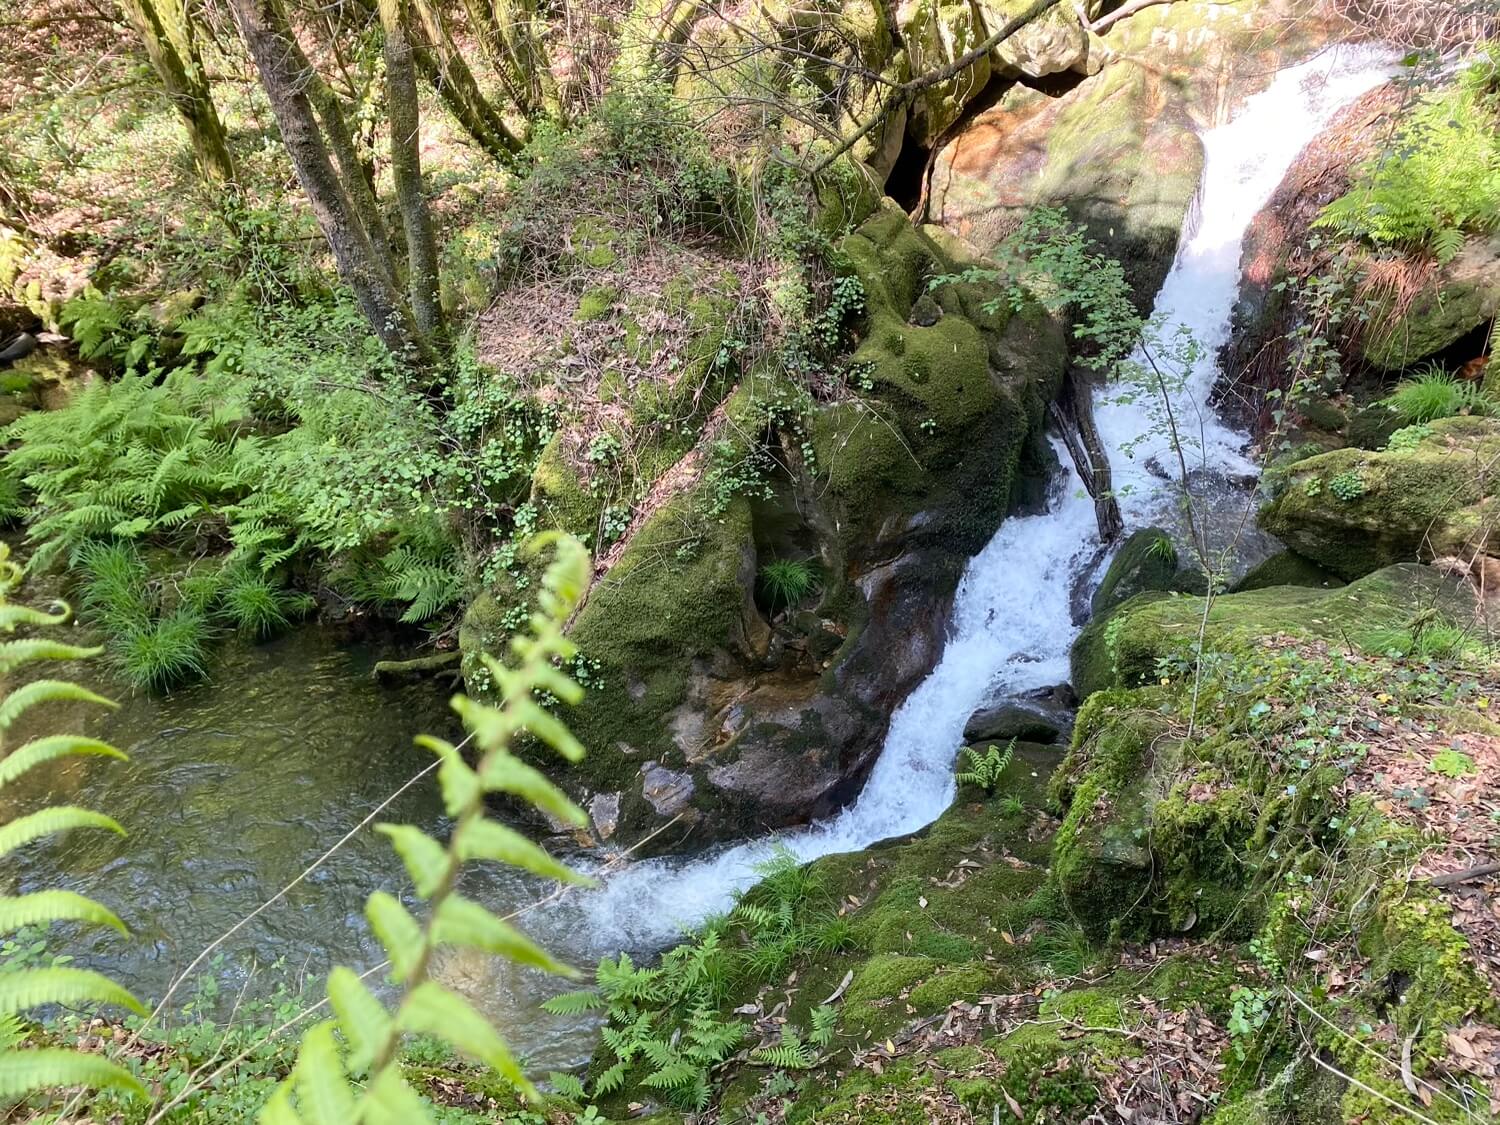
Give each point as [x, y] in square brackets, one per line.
[45, 822]
[54, 1068]
[53, 906]
[505, 773]
[489, 839]
[323, 1092]
[431, 1009]
[362, 1018]
[45, 691]
[461, 921]
[279, 1109]
[426, 860]
[34, 988]
[397, 930]
[460, 784]
[390, 1101]
[40, 750]
[549, 728]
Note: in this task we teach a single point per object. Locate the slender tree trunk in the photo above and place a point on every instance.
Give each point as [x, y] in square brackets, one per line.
[406, 166]
[444, 66]
[518, 24]
[498, 54]
[355, 176]
[284, 74]
[167, 32]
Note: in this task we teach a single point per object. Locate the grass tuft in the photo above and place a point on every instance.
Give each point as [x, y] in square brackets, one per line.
[786, 582]
[166, 652]
[1434, 394]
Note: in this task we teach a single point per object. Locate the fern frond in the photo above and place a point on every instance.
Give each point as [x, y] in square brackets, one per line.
[20, 911]
[40, 750]
[36, 988]
[52, 1068]
[46, 822]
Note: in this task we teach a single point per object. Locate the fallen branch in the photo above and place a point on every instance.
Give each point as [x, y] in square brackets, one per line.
[1478, 871]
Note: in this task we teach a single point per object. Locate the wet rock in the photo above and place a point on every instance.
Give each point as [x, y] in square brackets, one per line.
[1353, 510]
[667, 791]
[604, 814]
[1041, 721]
[1146, 561]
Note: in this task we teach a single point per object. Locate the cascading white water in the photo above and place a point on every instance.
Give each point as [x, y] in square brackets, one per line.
[1012, 627]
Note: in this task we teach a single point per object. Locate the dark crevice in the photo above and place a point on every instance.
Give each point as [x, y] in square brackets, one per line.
[1054, 85]
[904, 184]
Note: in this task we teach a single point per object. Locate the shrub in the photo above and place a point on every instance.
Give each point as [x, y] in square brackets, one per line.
[1435, 394]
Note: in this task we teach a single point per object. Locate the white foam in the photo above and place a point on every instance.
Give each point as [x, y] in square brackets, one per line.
[1011, 627]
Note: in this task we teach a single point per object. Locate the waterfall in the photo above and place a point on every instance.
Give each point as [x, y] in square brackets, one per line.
[1011, 627]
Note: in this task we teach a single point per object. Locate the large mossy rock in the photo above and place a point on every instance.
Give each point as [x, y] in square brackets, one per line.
[1119, 151]
[1145, 561]
[704, 709]
[1462, 296]
[1123, 647]
[1353, 510]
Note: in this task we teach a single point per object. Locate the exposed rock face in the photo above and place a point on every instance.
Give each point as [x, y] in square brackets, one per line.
[1119, 151]
[705, 708]
[1352, 510]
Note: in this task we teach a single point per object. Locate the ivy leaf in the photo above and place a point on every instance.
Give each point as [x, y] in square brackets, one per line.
[431, 1009]
[397, 930]
[51, 1068]
[426, 860]
[489, 839]
[462, 921]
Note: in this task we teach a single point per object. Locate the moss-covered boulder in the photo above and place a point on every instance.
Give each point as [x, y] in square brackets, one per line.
[728, 715]
[1147, 560]
[1119, 151]
[1123, 647]
[1353, 510]
[1287, 568]
[1462, 296]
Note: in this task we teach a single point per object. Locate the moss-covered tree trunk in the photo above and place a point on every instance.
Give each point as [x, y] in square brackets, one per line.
[166, 30]
[455, 84]
[284, 72]
[406, 167]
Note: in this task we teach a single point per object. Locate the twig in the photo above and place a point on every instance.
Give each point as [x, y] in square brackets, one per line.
[1478, 871]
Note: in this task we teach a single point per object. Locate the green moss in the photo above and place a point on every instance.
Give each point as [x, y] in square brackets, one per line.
[1429, 500]
[1147, 560]
[560, 494]
[597, 303]
[1287, 568]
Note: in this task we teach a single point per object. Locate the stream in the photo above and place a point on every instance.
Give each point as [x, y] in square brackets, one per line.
[235, 787]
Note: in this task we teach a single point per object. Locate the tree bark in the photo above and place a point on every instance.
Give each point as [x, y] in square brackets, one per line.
[517, 21]
[406, 167]
[456, 86]
[167, 33]
[284, 74]
[355, 176]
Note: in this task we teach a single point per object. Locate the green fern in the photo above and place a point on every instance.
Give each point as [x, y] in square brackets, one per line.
[1433, 393]
[321, 1088]
[26, 1070]
[985, 769]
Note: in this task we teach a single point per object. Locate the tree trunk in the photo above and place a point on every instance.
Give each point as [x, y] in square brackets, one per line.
[406, 167]
[355, 176]
[167, 32]
[444, 66]
[517, 21]
[498, 54]
[284, 74]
